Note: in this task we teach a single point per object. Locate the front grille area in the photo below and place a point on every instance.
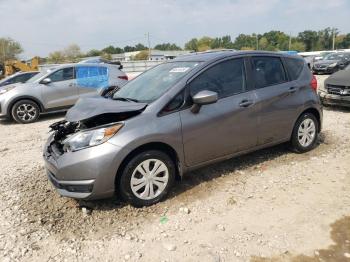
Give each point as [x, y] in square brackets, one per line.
[338, 90]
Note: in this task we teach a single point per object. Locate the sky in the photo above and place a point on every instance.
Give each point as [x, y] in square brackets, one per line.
[43, 26]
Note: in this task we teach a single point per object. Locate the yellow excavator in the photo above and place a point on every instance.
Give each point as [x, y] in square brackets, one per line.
[12, 66]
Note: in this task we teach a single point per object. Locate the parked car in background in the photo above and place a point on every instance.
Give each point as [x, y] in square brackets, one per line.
[322, 55]
[336, 90]
[20, 77]
[57, 90]
[178, 116]
[331, 63]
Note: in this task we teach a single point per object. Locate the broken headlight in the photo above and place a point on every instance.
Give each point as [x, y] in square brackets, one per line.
[89, 138]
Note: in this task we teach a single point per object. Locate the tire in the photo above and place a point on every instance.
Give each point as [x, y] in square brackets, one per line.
[137, 195]
[305, 133]
[25, 111]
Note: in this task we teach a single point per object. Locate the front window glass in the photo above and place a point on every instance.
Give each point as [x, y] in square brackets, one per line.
[62, 74]
[226, 78]
[155, 82]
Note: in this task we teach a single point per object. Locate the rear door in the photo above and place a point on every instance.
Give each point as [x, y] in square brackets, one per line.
[62, 91]
[277, 99]
[91, 79]
[225, 127]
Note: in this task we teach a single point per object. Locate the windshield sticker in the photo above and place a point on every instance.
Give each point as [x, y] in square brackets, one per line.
[179, 70]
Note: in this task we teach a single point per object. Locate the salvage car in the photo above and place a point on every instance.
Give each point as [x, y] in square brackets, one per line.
[180, 115]
[20, 77]
[331, 63]
[57, 89]
[336, 90]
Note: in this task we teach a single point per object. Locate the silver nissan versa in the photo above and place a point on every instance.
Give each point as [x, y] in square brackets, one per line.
[180, 115]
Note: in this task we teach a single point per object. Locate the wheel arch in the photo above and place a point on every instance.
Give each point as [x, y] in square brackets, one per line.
[17, 99]
[313, 111]
[161, 146]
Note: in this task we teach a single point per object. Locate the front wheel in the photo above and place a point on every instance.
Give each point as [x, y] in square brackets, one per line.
[305, 133]
[25, 111]
[147, 178]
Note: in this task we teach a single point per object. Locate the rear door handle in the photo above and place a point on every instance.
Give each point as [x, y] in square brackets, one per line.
[246, 103]
[292, 89]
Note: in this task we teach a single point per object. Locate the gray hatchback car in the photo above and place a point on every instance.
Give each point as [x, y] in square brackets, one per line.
[192, 111]
[57, 89]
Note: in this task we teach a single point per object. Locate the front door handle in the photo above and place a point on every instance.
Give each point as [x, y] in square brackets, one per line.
[292, 89]
[246, 103]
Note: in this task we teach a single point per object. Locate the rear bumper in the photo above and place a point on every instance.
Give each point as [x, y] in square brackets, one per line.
[331, 99]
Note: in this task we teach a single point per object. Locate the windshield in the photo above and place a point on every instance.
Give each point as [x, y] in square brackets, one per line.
[155, 82]
[333, 56]
[38, 76]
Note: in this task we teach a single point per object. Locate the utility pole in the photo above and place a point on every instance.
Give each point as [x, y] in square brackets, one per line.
[333, 38]
[290, 41]
[257, 42]
[149, 47]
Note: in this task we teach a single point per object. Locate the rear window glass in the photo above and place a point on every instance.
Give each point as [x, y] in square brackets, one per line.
[268, 71]
[294, 66]
[92, 76]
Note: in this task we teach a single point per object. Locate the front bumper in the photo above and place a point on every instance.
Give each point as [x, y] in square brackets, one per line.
[85, 174]
[324, 70]
[331, 99]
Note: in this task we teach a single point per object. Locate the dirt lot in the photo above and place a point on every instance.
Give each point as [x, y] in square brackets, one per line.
[269, 205]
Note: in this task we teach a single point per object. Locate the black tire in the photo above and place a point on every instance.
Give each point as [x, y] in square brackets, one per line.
[124, 182]
[295, 143]
[30, 111]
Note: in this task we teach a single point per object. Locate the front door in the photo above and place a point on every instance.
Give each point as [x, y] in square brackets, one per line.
[62, 91]
[225, 127]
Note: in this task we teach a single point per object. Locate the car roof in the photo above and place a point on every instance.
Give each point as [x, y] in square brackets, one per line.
[215, 55]
[84, 64]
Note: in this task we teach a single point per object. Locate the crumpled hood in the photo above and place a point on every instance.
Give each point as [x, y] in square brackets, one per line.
[86, 108]
[340, 78]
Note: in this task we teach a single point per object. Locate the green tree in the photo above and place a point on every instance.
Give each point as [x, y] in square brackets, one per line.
[109, 50]
[142, 55]
[93, 52]
[204, 43]
[56, 57]
[9, 49]
[129, 48]
[167, 46]
[192, 45]
[72, 53]
[310, 39]
[344, 42]
[246, 41]
[140, 47]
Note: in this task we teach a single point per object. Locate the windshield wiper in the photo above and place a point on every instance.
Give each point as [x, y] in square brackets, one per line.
[127, 99]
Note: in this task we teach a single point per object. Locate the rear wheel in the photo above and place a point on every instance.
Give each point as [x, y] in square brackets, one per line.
[305, 133]
[25, 111]
[147, 178]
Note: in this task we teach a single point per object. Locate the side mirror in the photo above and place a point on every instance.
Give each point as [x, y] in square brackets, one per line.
[204, 97]
[46, 81]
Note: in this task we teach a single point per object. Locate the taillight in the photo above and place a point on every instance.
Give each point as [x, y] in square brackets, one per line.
[123, 77]
[313, 83]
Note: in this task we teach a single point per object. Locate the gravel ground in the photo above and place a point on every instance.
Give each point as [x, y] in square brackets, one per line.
[271, 205]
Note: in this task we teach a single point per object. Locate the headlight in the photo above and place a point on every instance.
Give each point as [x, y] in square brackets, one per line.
[6, 89]
[89, 138]
[332, 65]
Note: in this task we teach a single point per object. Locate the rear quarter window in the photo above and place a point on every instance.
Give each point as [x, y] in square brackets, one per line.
[294, 67]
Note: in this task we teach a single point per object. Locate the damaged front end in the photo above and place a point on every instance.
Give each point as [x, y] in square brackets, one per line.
[92, 121]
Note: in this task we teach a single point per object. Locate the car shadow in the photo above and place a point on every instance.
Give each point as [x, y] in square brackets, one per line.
[42, 118]
[202, 175]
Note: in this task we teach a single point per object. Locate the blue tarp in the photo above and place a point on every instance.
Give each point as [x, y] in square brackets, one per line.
[91, 76]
